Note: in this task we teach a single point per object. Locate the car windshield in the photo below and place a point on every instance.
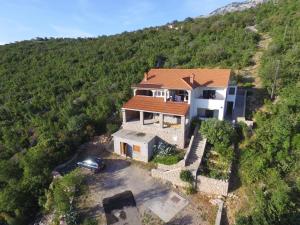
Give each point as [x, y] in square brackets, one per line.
[90, 162]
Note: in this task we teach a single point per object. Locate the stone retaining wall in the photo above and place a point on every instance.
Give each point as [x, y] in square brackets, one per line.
[172, 176]
[212, 186]
[178, 165]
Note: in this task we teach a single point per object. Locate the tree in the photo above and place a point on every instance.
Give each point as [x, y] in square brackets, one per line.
[218, 133]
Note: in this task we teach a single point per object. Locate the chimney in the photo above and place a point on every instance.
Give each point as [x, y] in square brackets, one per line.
[145, 76]
[192, 77]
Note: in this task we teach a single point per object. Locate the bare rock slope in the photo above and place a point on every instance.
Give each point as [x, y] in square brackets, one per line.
[237, 6]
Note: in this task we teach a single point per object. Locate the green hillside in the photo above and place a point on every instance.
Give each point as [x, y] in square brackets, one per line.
[57, 93]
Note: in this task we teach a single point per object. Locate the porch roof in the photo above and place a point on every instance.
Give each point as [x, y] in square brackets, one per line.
[152, 104]
[134, 136]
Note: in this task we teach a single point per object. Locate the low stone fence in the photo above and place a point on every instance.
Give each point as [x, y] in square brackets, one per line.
[219, 213]
[178, 165]
[212, 186]
[173, 176]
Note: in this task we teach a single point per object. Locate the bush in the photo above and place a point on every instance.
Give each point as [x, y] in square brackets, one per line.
[243, 131]
[61, 193]
[190, 190]
[218, 132]
[90, 221]
[111, 128]
[164, 149]
[169, 159]
[186, 176]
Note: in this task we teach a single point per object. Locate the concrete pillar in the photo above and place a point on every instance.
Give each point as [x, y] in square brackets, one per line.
[183, 122]
[221, 113]
[190, 96]
[161, 120]
[165, 95]
[182, 142]
[134, 92]
[142, 117]
[124, 116]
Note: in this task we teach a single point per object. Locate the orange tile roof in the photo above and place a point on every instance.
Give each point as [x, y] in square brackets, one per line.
[180, 78]
[152, 104]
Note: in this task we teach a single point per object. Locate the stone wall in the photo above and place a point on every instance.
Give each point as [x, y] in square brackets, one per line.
[212, 186]
[173, 176]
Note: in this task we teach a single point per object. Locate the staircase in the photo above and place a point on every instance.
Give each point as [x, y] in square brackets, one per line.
[195, 156]
[192, 163]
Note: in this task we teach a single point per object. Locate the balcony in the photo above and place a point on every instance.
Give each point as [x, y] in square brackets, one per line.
[210, 103]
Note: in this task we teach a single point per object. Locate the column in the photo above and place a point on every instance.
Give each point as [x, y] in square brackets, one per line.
[182, 141]
[165, 95]
[161, 120]
[189, 96]
[124, 115]
[183, 122]
[142, 117]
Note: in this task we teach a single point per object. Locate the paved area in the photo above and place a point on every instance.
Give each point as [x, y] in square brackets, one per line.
[167, 207]
[121, 175]
[239, 110]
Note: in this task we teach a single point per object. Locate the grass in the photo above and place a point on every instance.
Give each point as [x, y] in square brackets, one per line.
[169, 159]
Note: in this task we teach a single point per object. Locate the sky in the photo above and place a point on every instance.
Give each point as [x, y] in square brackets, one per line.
[27, 19]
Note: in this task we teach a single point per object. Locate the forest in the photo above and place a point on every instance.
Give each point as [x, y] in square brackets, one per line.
[55, 94]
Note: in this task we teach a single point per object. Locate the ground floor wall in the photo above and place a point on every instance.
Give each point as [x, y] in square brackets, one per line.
[136, 150]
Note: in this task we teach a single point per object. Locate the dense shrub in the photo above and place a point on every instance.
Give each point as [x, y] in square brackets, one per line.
[90, 221]
[186, 176]
[61, 194]
[111, 128]
[170, 159]
[218, 133]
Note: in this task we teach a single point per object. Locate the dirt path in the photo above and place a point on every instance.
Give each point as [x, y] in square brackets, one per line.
[237, 199]
[256, 94]
[252, 71]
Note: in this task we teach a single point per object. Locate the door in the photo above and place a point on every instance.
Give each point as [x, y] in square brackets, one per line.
[209, 113]
[123, 148]
[129, 150]
[229, 108]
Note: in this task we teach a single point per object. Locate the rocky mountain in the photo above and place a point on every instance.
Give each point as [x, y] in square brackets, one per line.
[237, 6]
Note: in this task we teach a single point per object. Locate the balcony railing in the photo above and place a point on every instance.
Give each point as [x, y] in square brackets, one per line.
[216, 97]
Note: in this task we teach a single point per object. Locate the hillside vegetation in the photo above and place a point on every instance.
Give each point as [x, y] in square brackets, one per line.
[56, 93]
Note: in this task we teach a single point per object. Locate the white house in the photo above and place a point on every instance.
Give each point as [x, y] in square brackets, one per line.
[166, 101]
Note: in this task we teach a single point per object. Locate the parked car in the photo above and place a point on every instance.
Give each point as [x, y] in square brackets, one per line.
[94, 164]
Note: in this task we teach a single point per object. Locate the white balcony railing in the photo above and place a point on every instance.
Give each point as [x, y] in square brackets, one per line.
[210, 103]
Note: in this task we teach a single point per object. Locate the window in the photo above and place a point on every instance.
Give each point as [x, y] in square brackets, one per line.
[232, 91]
[209, 94]
[136, 148]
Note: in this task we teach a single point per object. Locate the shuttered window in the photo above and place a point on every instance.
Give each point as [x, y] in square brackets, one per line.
[136, 148]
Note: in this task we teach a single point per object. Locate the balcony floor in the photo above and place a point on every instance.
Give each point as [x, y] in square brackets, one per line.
[153, 123]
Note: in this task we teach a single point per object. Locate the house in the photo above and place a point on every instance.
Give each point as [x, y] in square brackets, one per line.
[164, 104]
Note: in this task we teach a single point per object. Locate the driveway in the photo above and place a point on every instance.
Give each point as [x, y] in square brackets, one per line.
[121, 175]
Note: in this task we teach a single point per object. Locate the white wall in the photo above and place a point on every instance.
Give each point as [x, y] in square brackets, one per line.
[211, 104]
[146, 148]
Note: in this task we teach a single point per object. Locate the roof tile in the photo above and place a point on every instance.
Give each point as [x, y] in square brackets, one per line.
[180, 78]
[152, 104]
